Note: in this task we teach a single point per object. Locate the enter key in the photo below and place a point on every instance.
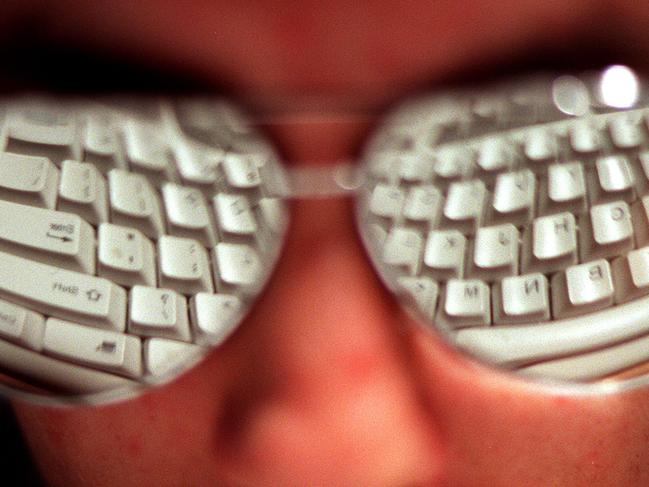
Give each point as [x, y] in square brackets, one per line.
[54, 237]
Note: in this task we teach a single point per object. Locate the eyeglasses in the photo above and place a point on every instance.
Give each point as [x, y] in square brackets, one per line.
[509, 219]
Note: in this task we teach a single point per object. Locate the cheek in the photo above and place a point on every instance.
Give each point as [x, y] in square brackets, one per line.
[505, 432]
[160, 437]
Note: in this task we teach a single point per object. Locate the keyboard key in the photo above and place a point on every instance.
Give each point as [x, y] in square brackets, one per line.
[465, 204]
[184, 265]
[551, 244]
[386, 201]
[540, 145]
[241, 171]
[274, 215]
[415, 168]
[592, 365]
[423, 292]
[100, 142]
[625, 132]
[239, 266]
[187, 213]
[377, 236]
[65, 294]
[514, 196]
[39, 129]
[147, 152]
[158, 312]
[640, 219]
[522, 299]
[467, 303]
[82, 190]
[639, 266]
[611, 223]
[214, 316]
[402, 249]
[59, 375]
[126, 256]
[495, 155]
[28, 180]
[614, 173]
[453, 163]
[212, 121]
[21, 325]
[631, 275]
[582, 288]
[163, 357]
[608, 232]
[233, 214]
[615, 179]
[495, 253]
[200, 165]
[384, 167]
[49, 236]
[490, 108]
[102, 349]
[514, 346]
[444, 253]
[584, 138]
[134, 203]
[566, 188]
[642, 179]
[423, 204]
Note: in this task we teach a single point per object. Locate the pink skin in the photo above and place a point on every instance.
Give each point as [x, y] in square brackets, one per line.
[327, 382]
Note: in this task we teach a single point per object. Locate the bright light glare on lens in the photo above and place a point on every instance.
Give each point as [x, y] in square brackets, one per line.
[619, 87]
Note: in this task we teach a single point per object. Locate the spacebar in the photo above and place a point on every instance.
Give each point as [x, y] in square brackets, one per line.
[593, 365]
[56, 374]
[515, 346]
[62, 293]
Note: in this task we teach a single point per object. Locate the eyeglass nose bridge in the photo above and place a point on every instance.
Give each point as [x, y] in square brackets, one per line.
[338, 179]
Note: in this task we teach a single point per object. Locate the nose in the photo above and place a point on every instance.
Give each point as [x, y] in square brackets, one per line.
[339, 406]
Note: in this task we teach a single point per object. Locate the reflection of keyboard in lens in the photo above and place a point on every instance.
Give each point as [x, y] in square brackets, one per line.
[130, 240]
[517, 219]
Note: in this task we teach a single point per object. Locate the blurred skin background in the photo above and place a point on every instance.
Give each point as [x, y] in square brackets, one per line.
[327, 382]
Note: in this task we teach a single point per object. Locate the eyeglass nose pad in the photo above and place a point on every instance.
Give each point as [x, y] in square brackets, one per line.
[187, 220]
[470, 216]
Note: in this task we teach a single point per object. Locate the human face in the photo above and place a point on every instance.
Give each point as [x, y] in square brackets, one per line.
[327, 382]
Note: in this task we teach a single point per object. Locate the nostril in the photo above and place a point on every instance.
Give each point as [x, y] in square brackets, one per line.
[360, 439]
[234, 416]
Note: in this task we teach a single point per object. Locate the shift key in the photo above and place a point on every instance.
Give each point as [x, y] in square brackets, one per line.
[65, 294]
